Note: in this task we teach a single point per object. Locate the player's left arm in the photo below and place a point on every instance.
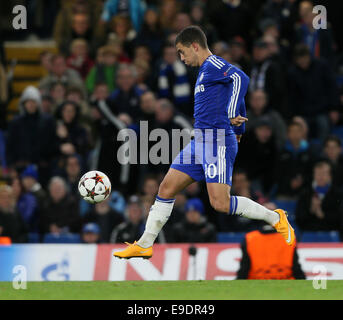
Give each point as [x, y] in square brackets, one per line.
[240, 129]
[236, 107]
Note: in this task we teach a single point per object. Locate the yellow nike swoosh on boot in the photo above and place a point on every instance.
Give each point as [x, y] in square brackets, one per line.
[133, 250]
[284, 227]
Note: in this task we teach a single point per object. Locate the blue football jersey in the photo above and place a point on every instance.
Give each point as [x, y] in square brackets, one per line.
[219, 95]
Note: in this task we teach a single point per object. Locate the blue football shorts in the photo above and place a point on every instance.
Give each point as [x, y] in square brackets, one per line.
[208, 157]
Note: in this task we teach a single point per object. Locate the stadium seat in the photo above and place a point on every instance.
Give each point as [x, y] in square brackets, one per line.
[62, 238]
[27, 69]
[320, 236]
[33, 237]
[338, 131]
[231, 237]
[289, 206]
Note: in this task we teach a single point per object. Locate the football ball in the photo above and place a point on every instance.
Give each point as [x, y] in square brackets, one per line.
[94, 186]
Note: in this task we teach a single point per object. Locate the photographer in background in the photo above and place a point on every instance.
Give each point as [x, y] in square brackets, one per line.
[265, 255]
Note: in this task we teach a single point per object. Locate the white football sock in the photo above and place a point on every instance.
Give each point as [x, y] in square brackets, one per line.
[157, 218]
[248, 208]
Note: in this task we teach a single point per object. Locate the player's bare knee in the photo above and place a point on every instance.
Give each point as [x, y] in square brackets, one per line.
[221, 205]
[166, 190]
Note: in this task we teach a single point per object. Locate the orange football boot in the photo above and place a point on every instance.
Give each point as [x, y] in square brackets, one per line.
[134, 251]
[284, 227]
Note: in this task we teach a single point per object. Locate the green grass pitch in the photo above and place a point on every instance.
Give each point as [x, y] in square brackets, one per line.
[175, 290]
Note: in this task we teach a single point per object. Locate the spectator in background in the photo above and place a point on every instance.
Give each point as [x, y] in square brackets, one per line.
[150, 188]
[319, 207]
[106, 125]
[194, 228]
[266, 256]
[3, 162]
[199, 17]
[26, 205]
[90, 233]
[182, 20]
[294, 163]
[11, 223]
[117, 202]
[142, 52]
[148, 106]
[82, 22]
[105, 217]
[303, 125]
[151, 34]
[219, 48]
[133, 227]
[57, 94]
[123, 56]
[267, 75]
[72, 136]
[167, 13]
[319, 41]
[4, 94]
[332, 152]
[173, 80]
[133, 9]
[178, 215]
[101, 92]
[105, 69]
[60, 73]
[336, 113]
[142, 59]
[72, 172]
[60, 212]
[238, 53]
[143, 74]
[232, 18]
[45, 61]
[79, 59]
[167, 118]
[76, 95]
[30, 183]
[277, 52]
[269, 28]
[122, 32]
[31, 136]
[259, 141]
[259, 108]
[312, 91]
[241, 186]
[284, 15]
[193, 190]
[124, 101]
[197, 190]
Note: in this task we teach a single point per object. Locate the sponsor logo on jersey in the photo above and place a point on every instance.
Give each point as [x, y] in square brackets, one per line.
[199, 88]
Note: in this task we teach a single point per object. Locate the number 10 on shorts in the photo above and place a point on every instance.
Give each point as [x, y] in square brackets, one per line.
[210, 170]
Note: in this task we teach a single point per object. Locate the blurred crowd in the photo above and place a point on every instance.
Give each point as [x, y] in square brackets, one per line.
[117, 65]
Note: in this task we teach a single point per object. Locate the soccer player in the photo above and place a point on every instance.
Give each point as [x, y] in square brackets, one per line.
[219, 107]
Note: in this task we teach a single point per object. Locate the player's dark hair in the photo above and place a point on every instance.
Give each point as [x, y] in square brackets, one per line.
[192, 34]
